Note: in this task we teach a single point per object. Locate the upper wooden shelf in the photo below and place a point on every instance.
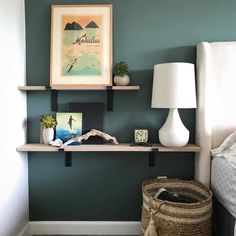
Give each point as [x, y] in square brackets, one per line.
[89, 87]
[54, 91]
[122, 147]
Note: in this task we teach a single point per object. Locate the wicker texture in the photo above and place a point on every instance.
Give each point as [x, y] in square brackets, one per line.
[177, 219]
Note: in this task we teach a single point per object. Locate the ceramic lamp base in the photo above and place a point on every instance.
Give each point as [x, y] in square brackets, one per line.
[173, 133]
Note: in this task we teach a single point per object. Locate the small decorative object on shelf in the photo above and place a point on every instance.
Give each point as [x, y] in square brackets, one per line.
[49, 123]
[141, 135]
[92, 132]
[56, 143]
[69, 125]
[121, 70]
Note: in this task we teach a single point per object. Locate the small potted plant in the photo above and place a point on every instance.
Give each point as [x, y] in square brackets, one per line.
[49, 123]
[120, 71]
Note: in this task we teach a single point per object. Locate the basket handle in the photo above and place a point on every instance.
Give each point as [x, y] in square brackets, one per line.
[155, 212]
[151, 210]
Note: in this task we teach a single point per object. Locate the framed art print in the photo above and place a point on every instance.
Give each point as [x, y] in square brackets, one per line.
[81, 45]
[69, 125]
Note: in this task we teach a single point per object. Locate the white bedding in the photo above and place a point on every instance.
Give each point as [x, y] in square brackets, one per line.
[223, 174]
[223, 183]
[227, 149]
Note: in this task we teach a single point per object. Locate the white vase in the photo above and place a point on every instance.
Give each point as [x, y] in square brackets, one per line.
[48, 135]
[121, 80]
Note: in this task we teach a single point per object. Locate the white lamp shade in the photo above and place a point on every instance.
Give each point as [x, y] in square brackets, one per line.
[174, 86]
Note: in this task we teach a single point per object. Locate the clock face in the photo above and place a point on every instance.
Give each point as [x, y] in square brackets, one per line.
[140, 135]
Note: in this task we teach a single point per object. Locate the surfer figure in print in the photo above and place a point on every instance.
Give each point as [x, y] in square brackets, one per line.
[72, 65]
[70, 122]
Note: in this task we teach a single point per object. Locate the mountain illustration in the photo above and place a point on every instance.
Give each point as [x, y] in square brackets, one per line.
[92, 24]
[73, 26]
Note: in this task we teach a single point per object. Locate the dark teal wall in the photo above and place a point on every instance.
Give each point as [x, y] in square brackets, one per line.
[145, 33]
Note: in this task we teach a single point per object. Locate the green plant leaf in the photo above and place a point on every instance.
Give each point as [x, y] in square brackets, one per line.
[48, 121]
[121, 69]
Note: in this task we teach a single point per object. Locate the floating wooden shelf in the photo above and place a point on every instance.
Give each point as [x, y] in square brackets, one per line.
[54, 90]
[31, 88]
[44, 88]
[122, 147]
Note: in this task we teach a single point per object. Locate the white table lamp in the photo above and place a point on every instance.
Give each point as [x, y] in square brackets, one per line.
[173, 88]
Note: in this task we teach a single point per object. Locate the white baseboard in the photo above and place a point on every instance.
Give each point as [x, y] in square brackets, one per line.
[24, 231]
[82, 227]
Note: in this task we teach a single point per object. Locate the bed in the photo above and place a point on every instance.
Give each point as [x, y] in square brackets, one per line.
[215, 120]
[223, 185]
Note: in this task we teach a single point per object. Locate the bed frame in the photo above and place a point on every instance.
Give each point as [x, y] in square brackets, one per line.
[216, 83]
[223, 221]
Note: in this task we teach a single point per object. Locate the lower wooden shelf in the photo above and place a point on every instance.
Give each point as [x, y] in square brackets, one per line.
[78, 87]
[122, 147]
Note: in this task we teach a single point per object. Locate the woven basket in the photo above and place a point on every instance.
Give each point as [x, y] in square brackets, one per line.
[177, 219]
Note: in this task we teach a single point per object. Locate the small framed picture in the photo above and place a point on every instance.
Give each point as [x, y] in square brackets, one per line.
[69, 125]
[81, 45]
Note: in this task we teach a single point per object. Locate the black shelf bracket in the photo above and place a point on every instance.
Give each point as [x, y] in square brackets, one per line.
[54, 95]
[110, 93]
[151, 161]
[54, 104]
[68, 157]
